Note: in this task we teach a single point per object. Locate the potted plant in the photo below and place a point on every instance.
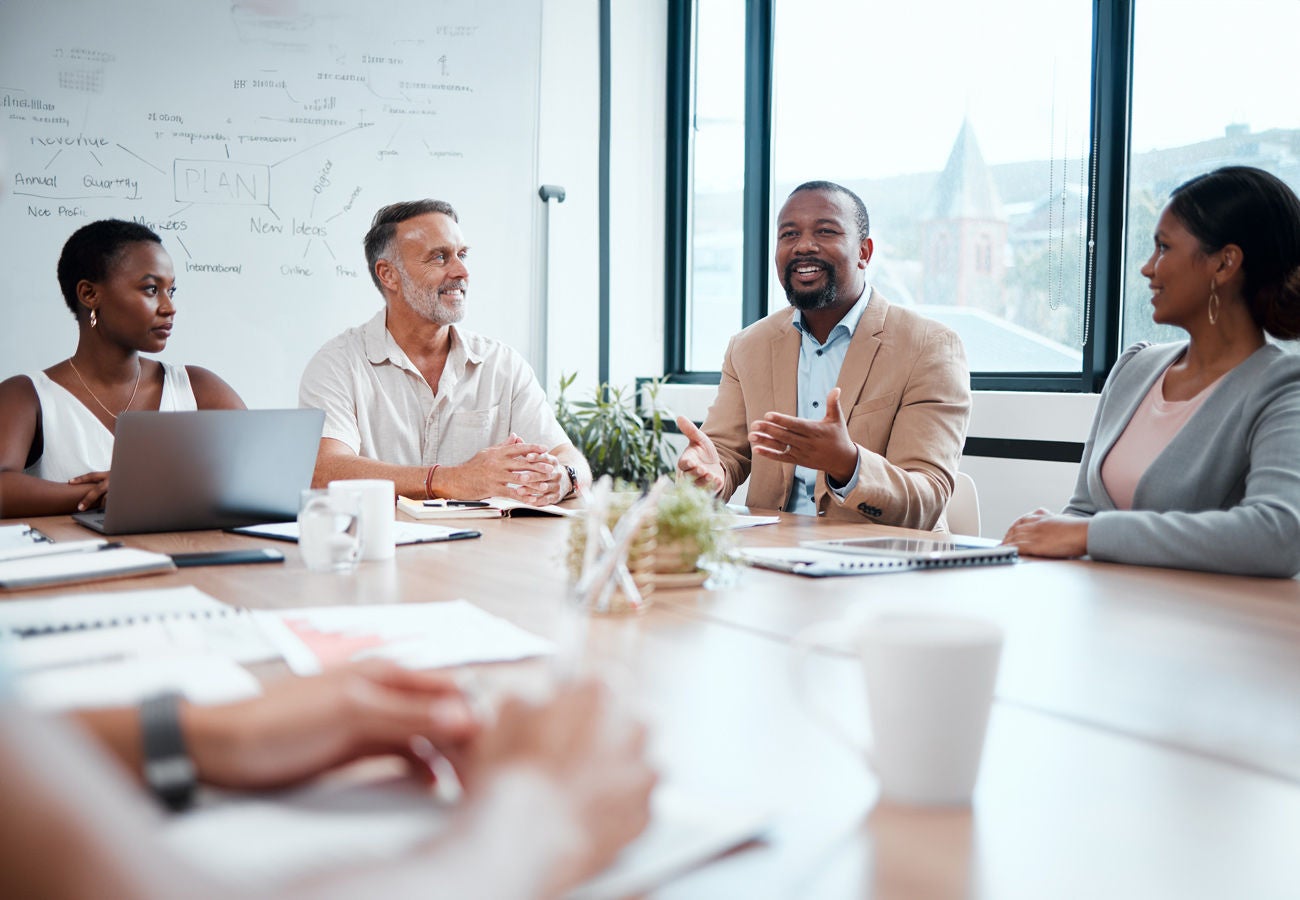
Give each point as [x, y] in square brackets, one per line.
[690, 526]
[615, 439]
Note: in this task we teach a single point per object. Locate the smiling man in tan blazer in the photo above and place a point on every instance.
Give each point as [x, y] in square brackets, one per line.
[842, 405]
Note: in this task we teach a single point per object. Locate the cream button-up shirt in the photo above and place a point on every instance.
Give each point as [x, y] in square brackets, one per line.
[377, 403]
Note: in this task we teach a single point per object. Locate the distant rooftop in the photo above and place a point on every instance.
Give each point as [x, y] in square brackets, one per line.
[996, 345]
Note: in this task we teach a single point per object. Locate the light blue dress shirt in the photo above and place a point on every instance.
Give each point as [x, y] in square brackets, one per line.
[819, 369]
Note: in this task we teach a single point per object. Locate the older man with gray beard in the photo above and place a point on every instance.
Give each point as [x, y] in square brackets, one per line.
[411, 397]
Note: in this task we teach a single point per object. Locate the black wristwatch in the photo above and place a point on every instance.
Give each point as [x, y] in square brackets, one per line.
[168, 770]
[573, 481]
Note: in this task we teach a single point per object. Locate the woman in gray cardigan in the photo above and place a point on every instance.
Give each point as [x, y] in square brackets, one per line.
[1193, 460]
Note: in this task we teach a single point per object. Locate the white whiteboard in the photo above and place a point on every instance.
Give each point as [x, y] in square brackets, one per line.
[258, 138]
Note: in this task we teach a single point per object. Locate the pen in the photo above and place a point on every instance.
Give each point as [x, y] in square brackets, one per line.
[464, 504]
[58, 549]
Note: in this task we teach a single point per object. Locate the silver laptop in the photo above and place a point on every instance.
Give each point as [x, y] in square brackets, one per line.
[183, 471]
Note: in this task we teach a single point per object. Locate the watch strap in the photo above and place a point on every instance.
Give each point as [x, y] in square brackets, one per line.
[168, 770]
[573, 481]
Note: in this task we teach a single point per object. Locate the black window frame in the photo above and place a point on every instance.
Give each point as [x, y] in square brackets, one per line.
[1112, 74]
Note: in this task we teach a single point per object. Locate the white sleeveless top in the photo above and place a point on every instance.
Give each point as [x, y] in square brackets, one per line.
[74, 442]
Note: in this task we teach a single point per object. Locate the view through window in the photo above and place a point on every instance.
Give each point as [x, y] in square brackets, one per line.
[1236, 105]
[964, 128]
[717, 188]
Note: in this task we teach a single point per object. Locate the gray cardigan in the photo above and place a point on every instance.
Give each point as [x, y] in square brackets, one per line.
[1224, 495]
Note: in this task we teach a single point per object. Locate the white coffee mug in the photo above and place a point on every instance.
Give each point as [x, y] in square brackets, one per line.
[376, 500]
[929, 682]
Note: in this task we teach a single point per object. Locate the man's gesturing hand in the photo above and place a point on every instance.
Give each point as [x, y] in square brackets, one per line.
[699, 461]
[822, 444]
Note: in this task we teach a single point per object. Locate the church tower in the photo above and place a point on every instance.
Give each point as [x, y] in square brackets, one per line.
[964, 233]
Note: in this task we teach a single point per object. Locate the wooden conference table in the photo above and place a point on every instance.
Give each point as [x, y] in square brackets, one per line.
[1145, 741]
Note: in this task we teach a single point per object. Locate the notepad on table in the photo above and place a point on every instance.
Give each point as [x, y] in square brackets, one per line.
[414, 635]
[47, 566]
[65, 630]
[491, 508]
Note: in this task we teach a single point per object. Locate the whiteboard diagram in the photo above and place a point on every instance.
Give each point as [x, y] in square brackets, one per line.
[258, 138]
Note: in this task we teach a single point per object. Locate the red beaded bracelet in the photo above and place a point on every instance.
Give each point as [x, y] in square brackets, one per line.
[428, 482]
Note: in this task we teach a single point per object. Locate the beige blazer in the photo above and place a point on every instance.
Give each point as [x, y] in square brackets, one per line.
[905, 391]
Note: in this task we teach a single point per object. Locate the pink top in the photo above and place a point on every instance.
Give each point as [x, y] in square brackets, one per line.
[1150, 430]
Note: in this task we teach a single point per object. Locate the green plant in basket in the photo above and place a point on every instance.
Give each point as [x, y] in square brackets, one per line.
[690, 529]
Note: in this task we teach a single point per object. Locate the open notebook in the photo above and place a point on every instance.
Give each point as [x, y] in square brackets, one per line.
[491, 508]
[868, 556]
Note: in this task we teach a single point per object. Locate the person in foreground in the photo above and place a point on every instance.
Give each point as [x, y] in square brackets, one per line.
[1193, 460]
[411, 397]
[56, 426]
[843, 405]
[552, 791]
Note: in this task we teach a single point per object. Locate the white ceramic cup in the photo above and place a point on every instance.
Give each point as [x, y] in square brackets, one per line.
[376, 501]
[929, 682]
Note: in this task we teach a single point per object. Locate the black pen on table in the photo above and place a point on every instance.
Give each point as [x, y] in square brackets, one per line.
[464, 504]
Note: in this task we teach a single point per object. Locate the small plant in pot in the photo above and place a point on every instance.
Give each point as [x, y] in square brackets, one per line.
[691, 527]
[689, 537]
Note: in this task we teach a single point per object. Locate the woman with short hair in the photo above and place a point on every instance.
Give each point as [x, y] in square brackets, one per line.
[57, 426]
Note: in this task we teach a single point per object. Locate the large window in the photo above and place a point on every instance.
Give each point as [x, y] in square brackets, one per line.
[1199, 102]
[969, 154]
[992, 145]
[717, 182]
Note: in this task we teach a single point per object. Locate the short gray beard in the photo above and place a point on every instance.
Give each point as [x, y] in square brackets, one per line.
[424, 300]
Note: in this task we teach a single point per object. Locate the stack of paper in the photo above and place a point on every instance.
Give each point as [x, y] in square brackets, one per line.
[415, 635]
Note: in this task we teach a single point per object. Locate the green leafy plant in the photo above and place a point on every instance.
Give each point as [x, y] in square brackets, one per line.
[691, 529]
[616, 441]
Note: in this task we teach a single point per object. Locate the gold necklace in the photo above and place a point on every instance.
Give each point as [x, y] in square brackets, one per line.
[112, 415]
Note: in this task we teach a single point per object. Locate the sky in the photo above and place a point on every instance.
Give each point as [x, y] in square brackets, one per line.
[865, 88]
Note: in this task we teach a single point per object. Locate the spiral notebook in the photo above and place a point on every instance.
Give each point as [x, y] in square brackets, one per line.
[85, 628]
[79, 612]
[868, 556]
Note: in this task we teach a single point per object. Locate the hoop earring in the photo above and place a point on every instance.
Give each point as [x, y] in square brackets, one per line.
[94, 319]
[1214, 304]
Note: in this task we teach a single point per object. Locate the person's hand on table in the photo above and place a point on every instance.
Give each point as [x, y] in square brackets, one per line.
[515, 469]
[592, 757]
[821, 444]
[96, 484]
[538, 488]
[1043, 533]
[699, 461]
[302, 727]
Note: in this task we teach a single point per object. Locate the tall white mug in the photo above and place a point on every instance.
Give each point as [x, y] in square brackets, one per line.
[376, 500]
[929, 682]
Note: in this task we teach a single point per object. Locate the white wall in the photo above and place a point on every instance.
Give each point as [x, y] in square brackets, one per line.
[639, 44]
[568, 155]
